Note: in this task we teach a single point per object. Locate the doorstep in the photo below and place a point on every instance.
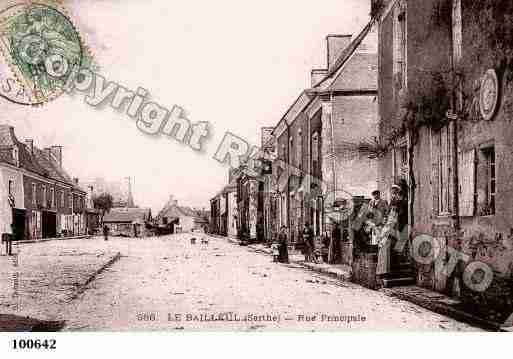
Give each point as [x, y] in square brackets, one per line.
[441, 304]
[339, 271]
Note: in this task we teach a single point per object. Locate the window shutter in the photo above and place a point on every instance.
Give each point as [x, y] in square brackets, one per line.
[435, 176]
[466, 176]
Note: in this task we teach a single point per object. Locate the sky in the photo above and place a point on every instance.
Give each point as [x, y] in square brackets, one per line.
[238, 65]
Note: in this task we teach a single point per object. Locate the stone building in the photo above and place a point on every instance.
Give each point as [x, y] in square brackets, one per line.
[47, 202]
[444, 97]
[318, 139]
[215, 215]
[249, 204]
[269, 185]
[224, 211]
[182, 219]
[128, 222]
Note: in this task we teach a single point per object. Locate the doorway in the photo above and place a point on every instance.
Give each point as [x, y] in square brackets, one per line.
[18, 221]
[49, 224]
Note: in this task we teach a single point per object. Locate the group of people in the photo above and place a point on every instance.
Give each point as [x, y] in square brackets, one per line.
[384, 221]
[280, 246]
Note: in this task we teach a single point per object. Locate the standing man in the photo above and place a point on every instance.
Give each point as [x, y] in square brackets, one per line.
[379, 207]
[378, 212]
[7, 238]
[105, 232]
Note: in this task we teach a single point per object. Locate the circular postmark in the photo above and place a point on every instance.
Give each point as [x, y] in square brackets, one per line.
[489, 94]
[39, 47]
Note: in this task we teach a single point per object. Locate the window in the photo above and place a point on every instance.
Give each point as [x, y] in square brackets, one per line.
[299, 160]
[486, 181]
[16, 156]
[52, 197]
[34, 194]
[315, 154]
[466, 180]
[400, 47]
[291, 151]
[456, 30]
[44, 197]
[70, 201]
[62, 199]
[441, 173]
[283, 209]
[11, 187]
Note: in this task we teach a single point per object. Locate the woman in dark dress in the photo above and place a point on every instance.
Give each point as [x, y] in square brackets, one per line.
[283, 256]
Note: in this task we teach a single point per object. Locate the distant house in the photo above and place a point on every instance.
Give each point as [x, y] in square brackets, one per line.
[128, 222]
[223, 209]
[180, 218]
[203, 219]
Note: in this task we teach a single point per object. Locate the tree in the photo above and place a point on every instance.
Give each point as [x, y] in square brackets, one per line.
[104, 203]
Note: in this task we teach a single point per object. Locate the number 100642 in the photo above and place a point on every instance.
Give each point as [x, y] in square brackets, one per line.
[38, 344]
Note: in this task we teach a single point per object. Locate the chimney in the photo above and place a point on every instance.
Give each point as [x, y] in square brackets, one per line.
[317, 75]
[30, 144]
[57, 153]
[75, 180]
[335, 45]
[90, 197]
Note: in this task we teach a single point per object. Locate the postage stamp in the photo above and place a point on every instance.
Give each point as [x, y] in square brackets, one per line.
[30, 34]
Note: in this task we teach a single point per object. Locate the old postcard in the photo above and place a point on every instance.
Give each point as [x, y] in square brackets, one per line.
[260, 166]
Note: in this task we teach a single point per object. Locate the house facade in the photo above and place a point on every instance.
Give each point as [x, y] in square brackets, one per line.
[318, 159]
[181, 218]
[249, 208]
[46, 201]
[215, 215]
[445, 121]
[128, 222]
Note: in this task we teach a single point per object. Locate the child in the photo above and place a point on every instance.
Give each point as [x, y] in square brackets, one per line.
[276, 252]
